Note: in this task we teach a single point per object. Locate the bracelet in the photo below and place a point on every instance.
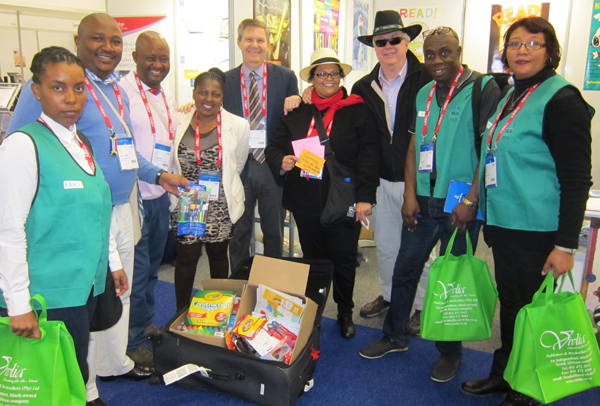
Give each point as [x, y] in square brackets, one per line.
[470, 204]
[571, 251]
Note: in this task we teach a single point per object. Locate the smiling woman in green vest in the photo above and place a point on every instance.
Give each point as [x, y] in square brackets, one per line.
[55, 209]
[534, 183]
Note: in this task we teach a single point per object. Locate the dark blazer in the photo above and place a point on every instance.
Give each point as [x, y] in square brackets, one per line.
[354, 141]
[281, 83]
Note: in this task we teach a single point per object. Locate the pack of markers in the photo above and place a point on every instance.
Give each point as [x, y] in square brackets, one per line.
[193, 206]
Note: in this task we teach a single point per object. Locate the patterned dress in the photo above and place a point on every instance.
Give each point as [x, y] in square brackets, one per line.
[218, 223]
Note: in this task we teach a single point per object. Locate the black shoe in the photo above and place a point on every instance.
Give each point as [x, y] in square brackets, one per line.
[445, 368]
[485, 387]
[347, 328]
[518, 399]
[142, 356]
[136, 374]
[95, 402]
[379, 348]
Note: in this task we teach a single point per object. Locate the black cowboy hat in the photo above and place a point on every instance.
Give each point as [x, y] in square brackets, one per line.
[387, 21]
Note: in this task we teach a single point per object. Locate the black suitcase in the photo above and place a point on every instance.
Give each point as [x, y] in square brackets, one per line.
[242, 375]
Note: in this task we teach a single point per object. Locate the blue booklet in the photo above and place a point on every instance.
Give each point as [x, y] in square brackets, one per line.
[456, 193]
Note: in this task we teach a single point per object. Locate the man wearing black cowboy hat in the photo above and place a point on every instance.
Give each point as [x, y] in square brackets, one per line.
[390, 91]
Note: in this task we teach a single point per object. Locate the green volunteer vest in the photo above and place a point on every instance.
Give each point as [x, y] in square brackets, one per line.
[455, 155]
[527, 196]
[68, 226]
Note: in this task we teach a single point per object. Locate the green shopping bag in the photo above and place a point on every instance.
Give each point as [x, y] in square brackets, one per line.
[40, 372]
[460, 298]
[555, 353]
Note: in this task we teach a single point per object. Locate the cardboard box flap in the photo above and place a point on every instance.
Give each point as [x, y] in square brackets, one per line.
[236, 285]
[287, 276]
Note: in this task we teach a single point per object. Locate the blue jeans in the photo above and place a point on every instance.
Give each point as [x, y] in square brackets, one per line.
[148, 255]
[434, 225]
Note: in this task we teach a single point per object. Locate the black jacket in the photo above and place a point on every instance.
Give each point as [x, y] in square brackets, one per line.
[394, 148]
[353, 142]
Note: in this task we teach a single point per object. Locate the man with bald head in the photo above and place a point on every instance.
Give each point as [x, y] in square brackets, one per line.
[153, 118]
[444, 146]
[105, 122]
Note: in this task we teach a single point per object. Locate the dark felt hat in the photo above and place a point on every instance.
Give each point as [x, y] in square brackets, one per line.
[387, 21]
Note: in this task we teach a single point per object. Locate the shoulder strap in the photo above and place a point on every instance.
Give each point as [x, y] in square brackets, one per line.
[321, 130]
[475, 103]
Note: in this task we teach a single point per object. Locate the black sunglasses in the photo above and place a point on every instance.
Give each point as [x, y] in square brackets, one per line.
[383, 42]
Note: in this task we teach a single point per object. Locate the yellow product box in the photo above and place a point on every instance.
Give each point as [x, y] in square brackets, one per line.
[210, 308]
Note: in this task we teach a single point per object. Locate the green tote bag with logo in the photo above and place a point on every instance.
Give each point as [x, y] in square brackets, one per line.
[39, 372]
[555, 353]
[460, 298]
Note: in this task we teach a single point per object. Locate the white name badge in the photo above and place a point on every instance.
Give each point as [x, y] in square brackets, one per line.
[211, 182]
[491, 179]
[421, 114]
[161, 156]
[426, 158]
[127, 155]
[73, 184]
[258, 139]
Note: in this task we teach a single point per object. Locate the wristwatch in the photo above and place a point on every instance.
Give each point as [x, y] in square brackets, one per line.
[470, 204]
[160, 172]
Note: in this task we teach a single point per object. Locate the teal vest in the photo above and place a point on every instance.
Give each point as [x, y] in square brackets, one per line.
[527, 196]
[68, 226]
[455, 154]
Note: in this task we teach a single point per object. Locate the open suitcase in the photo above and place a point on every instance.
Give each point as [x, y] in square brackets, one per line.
[242, 375]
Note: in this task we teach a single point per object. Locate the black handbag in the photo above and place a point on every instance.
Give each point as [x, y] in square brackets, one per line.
[340, 208]
[108, 307]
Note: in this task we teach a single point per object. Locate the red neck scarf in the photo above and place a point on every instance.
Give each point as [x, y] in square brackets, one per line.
[333, 103]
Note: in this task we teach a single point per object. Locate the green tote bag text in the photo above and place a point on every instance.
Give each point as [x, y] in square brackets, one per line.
[460, 298]
[555, 353]
[39, 372]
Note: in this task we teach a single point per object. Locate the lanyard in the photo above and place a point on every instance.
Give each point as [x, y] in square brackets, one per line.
[197, 136]
[149, 111]
[510, 119]
[312, 127]
[443, 111]
[101, 108]
[245, 92]
[86, 151]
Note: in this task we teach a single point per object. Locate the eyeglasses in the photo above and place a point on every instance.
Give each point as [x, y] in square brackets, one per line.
[325, 75]
[531, 46]
[440, 31]
[392, 41]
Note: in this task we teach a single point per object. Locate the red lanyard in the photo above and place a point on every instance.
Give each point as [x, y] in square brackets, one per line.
[149, 111]
[443, 111]
[86, 151]
[245, 92]
[199, 152]
[312, 127]
[510, 119]
[101, 108]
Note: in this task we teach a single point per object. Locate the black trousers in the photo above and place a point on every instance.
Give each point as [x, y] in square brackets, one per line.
[518, 270]
[337, 244]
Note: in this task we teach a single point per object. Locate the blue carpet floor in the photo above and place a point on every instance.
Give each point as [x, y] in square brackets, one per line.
[342, 377]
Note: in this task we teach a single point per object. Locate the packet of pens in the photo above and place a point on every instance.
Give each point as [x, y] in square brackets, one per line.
[193, 206]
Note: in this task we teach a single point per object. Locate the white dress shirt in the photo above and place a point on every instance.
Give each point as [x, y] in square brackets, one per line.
[18, 182]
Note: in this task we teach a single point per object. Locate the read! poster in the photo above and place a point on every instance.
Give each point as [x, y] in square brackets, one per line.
[327, 19]
[276, 16]
[429, 18]
[503, 15]
[361, 27]
[592, 68]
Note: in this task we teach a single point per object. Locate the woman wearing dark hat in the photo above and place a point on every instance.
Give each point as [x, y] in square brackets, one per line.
[352, 137]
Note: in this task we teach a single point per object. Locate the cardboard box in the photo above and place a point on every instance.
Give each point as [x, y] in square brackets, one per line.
[286, 276]
[210, 284]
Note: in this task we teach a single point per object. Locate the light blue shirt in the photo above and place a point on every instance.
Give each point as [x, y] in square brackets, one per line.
[390, 91]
